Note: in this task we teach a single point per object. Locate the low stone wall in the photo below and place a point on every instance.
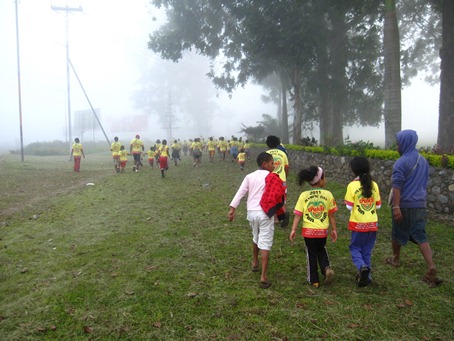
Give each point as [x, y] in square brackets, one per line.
[440, 189]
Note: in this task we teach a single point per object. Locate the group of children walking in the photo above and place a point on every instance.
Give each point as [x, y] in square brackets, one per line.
[315, 213]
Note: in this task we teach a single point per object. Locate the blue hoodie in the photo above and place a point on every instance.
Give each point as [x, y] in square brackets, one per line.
[412, 186]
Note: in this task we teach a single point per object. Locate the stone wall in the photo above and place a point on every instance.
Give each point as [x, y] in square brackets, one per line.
[440, 189]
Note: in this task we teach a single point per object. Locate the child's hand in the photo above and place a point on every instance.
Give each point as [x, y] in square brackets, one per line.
[292, 235]
[231, 214]
[333, 235]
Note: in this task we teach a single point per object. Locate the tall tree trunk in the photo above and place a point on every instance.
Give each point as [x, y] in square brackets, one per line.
[392, 93]
[298, 105]
[284, 110]
[338, 79]
[445, 139]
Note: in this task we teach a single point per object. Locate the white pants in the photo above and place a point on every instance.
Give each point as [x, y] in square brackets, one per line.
[262, 229]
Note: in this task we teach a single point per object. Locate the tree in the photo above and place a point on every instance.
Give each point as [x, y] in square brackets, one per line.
[391, 47]
[178, 95]
[445, 139]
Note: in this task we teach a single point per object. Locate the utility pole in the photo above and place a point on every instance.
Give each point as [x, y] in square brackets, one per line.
[68, 9]
[19, 86]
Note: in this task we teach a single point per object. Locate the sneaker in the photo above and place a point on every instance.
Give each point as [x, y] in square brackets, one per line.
[329, 276]
[286, 221]
[363, 278]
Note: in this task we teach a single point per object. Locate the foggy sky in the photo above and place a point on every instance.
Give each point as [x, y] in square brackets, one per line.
[107, 44]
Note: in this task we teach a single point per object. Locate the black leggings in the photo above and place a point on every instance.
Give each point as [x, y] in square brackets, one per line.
[316, 255]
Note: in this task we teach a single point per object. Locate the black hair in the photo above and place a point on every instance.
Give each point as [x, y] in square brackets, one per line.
[164, 142]
[361, 168]
[272, 141]
[263, 157]
[308, 174]
[76, 140]
[242, 150]
[116, 138]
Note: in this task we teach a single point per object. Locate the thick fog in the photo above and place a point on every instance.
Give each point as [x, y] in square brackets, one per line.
[108, 50]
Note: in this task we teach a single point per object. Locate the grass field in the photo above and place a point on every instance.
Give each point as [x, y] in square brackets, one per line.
[138, 257]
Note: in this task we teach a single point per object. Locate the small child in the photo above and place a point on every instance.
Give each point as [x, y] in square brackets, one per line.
[262, 225]
[362, 199]
[317, 207]
[241, 159]
[123, 158]
[151, 155]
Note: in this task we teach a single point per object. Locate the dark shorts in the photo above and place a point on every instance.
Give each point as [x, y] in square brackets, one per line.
[136, 157]
[413, 225]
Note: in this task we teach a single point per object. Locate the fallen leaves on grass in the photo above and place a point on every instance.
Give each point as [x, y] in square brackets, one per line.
[157, 324]
[406, 303]
[88, 330]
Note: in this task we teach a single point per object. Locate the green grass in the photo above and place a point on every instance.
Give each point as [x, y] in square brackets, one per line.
[140, 257]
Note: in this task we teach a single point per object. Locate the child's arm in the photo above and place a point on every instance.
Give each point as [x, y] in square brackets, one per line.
[296, 221]
[332, 221]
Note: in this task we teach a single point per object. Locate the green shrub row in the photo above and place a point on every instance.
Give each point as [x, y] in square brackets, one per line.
[435, 160]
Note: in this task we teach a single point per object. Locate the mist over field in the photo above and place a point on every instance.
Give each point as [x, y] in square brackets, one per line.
[108, 50]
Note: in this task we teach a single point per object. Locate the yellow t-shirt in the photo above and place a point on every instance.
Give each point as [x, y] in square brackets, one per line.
[150, 154]
[136, 146]
[197, 145]
[77, 149]
[241, 157]
[223, 146]
[123, 155]
[280, 162]
[164, 150]
[314, 206]
[115, 148]
[363, 216]
[211, 145]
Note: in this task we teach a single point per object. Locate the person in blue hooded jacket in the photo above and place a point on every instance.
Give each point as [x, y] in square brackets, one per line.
[409, 213]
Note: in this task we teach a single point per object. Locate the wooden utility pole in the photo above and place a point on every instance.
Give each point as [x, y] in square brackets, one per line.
[68, 9]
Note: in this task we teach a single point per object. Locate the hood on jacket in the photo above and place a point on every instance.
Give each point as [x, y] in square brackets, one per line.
[406, 140]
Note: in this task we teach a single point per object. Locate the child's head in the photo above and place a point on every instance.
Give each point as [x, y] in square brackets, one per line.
[242, 150]
[361, 168]
[152, 148]
[116, 138]
[175, 141]
[76, 140]
[272, 141]
[164, 142]
[314, 175]
[265, 161]
[122, 147]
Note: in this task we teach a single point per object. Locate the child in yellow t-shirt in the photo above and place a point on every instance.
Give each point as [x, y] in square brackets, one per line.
[123, 158]
[241, 159]
[151, 155]
[362, 198]
[316, 207]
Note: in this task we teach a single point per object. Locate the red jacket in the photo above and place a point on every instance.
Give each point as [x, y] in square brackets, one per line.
[273, 197]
